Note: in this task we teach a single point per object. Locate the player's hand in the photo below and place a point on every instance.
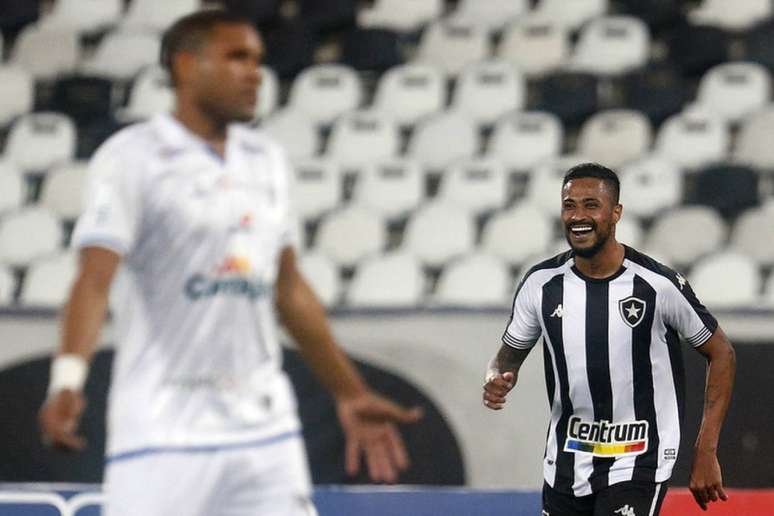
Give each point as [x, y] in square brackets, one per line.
[496, 388]
[59, 417]
[370, 427]
[706, 482]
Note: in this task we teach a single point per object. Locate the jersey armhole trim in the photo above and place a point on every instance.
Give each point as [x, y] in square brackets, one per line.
[104, 241]
[513, 342]
[701, 337]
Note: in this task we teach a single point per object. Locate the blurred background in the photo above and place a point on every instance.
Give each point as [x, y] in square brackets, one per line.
[429, 139]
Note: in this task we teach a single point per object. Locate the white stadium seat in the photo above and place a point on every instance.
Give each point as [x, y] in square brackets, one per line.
[629, 231]
[84, 15]
[753, 235]
[48, 281]
[615, 137]
[612, 45]
[733, 91]
[323, 277]
[544, 189]
[28, 235]
[438, 232]
[753, 146]
[400, 15]
[571, 13]
[323, 92]
[351, 234]
[393, 280]
[7, 286]
[736, 15]
[13, 190]
[649, 186]
[317, 188]
[490, 15]
[392, 188]
[363, 137]
[693, 138]
[686, 234]
[521, 140]
[150, 94]
[268, 93]
[518, 233]
[157, 16]
[63, 190]
[46, 53]
[17, 93]
[535, 46]
[486, 90]
[121, 55]
[411, 91]
[474, 281]
[295, 131]
[478, 185]
[443, 139]
[726, 280]
[452, 47]
[38, 141]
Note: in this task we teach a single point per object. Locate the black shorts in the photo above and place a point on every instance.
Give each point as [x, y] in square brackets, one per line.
[634, 498]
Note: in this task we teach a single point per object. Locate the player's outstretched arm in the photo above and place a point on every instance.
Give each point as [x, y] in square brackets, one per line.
[706, 481]
[82, 319]
[501, 375]
[369, 420]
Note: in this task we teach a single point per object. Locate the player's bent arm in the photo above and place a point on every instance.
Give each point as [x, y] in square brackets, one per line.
[502, 374]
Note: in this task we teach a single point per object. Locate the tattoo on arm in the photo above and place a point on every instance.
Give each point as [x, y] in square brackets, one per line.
[510, 359]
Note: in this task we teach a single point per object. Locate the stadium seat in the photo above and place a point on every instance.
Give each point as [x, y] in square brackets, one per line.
[521, 140]
[46, 53]
[518, 233]
[726, 187]
[323, 277]
[295, 132]
[535, 46]
[491, 15]
[371, 50]
[7, 286]
[410, 92]
[84, 99]
[15, 15]
[684, 235]
[290, 47]
[157, 16]
[90, 137]
[363, 137]
[612, 45]
[401, 15]
[753, 146]
[63, 190]
[327, 15]
[659, 15]
[121, 55]
[757, 44]
[573, 97]
[28, 235]
[268, 93]
[545, 182]
[48, 281]
[474, 281]
[768, 293]
[324, 92]
[615, 137]
[657, 91]
[83, 15]
[696, 49]
[739, 15]
[477, 186]
[726, 280]
[350, 234]
[488, 89]
[317, 188]
[753, 235]
[394, 280]
[649, 186]
[12, 188]
[392, 188]
[151, 93]
[733, 91]
[452, 47]
[571, 13]
[629, 231]
[692, 139]
[17, 93]
[438, 232]
[38, 141]
[443, 139]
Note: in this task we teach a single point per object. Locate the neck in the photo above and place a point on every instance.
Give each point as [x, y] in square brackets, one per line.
[212, 131]
[603, 264]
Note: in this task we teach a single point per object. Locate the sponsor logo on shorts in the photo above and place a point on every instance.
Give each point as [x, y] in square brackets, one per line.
[626, 510]
[233, 277]
[606, 439]
[670, 454]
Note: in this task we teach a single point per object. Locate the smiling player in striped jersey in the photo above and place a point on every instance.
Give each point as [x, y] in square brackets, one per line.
[611, 319]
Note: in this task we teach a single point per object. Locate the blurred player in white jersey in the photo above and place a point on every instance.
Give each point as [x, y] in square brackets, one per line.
[191, 211]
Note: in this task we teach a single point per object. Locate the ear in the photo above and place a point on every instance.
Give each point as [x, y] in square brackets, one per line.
[617, 212]
[183, 64]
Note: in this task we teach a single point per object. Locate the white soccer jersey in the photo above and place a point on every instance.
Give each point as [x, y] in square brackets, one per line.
[613, 367]
[198, 361]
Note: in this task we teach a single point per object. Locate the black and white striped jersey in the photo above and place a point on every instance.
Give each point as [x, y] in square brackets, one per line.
[613, 366]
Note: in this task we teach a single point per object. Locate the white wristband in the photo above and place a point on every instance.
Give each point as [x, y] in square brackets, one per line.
[68, 371]
[491, 370]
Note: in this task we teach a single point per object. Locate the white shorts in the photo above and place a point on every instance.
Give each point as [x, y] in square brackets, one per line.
[270, 479]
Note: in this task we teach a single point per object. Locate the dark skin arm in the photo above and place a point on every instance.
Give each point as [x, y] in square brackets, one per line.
[369, 421]
[706, 482]
[502, 375]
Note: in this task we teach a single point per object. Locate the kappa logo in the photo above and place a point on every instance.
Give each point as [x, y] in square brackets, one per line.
[626, 510]
[558, 311]
[632, 310]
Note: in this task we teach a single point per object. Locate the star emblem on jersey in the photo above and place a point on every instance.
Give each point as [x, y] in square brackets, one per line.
[632, 310]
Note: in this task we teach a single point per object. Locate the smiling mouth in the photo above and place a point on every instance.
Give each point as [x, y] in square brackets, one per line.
[581, 230]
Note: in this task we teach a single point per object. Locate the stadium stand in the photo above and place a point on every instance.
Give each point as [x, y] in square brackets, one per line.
[732, 91]
[488, 89]
[392, 188]
[39, 141]
[571, 14]
[121, 55]
[84, 16]
[438, 232]
[491, 15]
[535, 46]
[683, 235]
[324, 92]
[350, 235]
[533, 228]
[715, 287]
[612, 45]
[28, 235]
[615, 137]
[362, 137]
[401, 15]
[477, 280]
[650, 186]
[317, 188]
[743, 14]
[452, 46]
[753, 235]
[323, 276]
[523, 139]
[410, 92]
[48, 281]
[392, 280]
[12, 188]
[729, 189]
[430, 143]
[46, 53]
[63, 189]
[16, 93]
[477, 186]
[371, 50]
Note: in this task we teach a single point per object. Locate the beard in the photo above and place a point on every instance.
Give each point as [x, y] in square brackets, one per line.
[588, 252]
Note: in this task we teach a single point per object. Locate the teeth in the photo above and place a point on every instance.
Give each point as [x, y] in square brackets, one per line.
[580, 229]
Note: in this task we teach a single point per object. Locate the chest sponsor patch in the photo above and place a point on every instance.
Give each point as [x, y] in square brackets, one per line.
[606, 439]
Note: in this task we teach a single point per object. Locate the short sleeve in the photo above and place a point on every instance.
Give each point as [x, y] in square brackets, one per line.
[523, 329]
[686, 314]
[112, 205]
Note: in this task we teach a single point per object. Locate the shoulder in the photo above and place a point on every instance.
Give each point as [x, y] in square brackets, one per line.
[659, 274]
[126, 149]
[545, 270]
